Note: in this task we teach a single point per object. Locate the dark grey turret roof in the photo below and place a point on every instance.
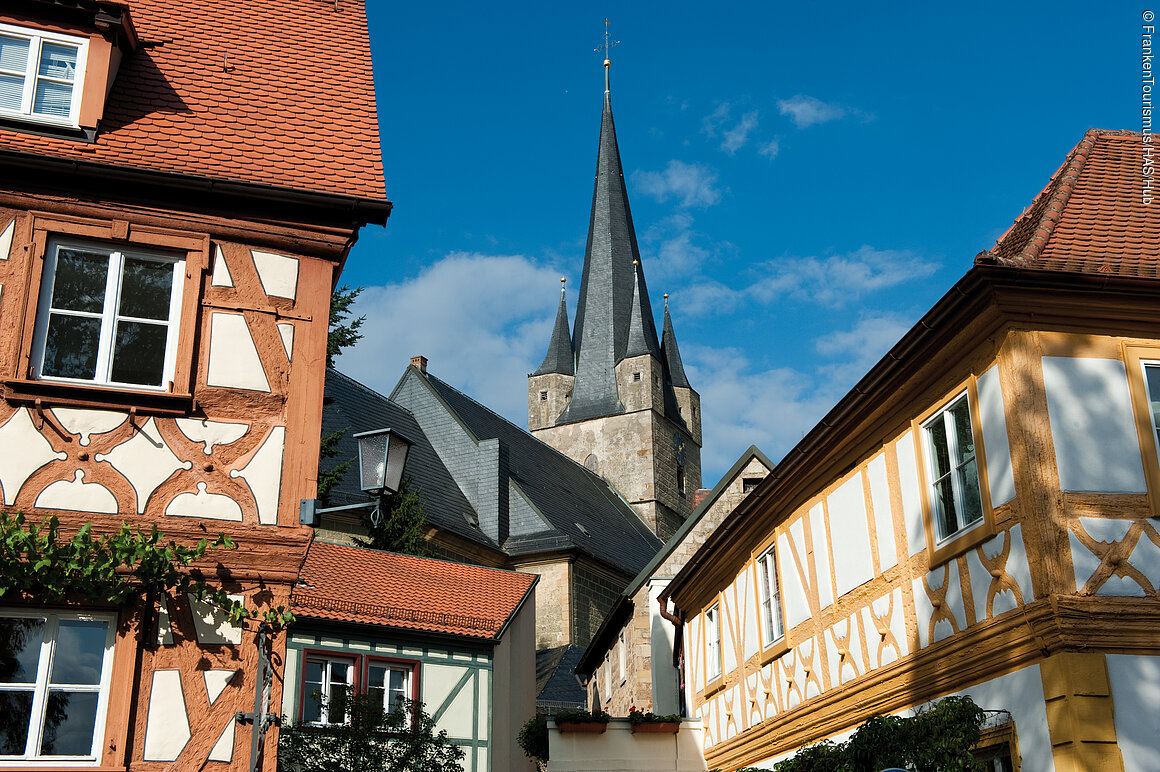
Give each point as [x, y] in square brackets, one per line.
[612, 276]
[671, 354]
[559, 358]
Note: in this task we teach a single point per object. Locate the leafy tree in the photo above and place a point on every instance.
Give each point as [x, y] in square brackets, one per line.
[115, 568]
[343, 331]
[402, 524]
[401, 740]
[935, 739]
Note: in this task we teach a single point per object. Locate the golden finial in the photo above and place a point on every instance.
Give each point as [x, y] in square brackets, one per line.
[666, 300]
[563, 279]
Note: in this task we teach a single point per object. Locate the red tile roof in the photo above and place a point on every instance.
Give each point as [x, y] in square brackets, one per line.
[1091, 217]
[261, 91]
[350, 584]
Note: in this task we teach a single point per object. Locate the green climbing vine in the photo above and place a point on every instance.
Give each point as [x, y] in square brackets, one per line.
[112, 568]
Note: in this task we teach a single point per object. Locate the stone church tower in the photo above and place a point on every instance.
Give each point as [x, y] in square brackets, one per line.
[611, 395]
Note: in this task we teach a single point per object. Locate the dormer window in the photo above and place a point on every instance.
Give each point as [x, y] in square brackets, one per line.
[41, 75]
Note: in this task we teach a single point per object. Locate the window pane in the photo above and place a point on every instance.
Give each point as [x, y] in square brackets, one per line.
[13, 54]
[972, 502]
[79, 283]
[69, 721]
[80, 652]
[936, 433]
[139, 353]
[964, 439]
[944, 503]
[146, 287]
[70, 347]
[52, 99]
[20, 639]
[376, 676]
[58, 60]
[11, 92]
[15, 716]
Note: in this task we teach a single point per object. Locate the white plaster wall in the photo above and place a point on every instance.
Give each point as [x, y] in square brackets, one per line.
[1136, 692]
[911, 503]
[853, 563]
[167, 724]
[233, 357]
[996, 446]
[663, 641]
[1096, 446]
[883, 517]
[513, 698]
[619, 750]
[821, 556]
[797, 607]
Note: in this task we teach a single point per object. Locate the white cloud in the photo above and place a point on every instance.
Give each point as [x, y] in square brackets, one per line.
[839, 279]
[807, 110]
[691, 184]
[859, 348]
[736, 137]
[482, 321]
[769, 149]
[745, 405]
[712, 122]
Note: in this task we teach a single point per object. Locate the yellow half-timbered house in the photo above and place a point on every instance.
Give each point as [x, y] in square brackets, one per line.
[978, 516]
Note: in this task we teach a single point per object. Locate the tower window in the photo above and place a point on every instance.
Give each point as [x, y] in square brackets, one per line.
[681, 481]
[749, 483]
[636, 376]
[543, 396]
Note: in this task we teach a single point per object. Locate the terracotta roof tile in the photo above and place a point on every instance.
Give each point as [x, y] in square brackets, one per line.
[1091, 217]
[349, 584]
[242, 91]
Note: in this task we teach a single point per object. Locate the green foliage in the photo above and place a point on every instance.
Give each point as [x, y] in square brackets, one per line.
[403, 739]
[402, 525]
[582, 716]
[342, 331]
[636, 717]
[533, 738]
[935, 739]
[113, 568]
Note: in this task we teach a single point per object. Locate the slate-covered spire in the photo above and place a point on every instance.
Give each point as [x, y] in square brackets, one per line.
[612, 277]
[671, 354]
[559, 358]
[637, 339]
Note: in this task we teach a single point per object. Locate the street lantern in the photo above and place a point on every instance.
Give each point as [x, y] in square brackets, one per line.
[381, 456]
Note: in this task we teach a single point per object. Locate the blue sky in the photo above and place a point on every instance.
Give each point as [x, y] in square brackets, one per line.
[806, 180]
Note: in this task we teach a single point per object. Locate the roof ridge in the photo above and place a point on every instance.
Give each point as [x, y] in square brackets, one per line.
[1058, 191]
[424, 558]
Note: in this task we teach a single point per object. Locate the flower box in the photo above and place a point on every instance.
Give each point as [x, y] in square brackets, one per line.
[592, 727]
[656, 727]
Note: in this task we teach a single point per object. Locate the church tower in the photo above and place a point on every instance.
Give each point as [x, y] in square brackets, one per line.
[612, 395]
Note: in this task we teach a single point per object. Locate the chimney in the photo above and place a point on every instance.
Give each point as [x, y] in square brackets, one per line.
[420, 362]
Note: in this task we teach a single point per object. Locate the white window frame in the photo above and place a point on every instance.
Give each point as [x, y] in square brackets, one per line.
[325, 689]
[37, 38]
[31, 756]
[108, 316]
[713, 664]
[622, 655]
[769, 592]
[1153, 401]
[955, 475]
[408, 671]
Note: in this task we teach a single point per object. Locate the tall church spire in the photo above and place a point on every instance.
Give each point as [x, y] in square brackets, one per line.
[559, 356]
[670, 353]
[612, 277]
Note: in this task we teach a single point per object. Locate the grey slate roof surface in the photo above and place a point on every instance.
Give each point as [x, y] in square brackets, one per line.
[559, 358]
[357, 408]
[580, 508]
[671, 354]
[556, 684]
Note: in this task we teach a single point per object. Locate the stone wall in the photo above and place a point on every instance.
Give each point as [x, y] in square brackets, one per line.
[553, 602]
[594, 590]
[548, 395]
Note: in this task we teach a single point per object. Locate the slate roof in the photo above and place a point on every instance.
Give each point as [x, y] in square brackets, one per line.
[556, 684]
[559, 358]
[268, 92]
[1090, 217]
[671, 354]
[582, 509]
[357, 408]
[363, 586]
